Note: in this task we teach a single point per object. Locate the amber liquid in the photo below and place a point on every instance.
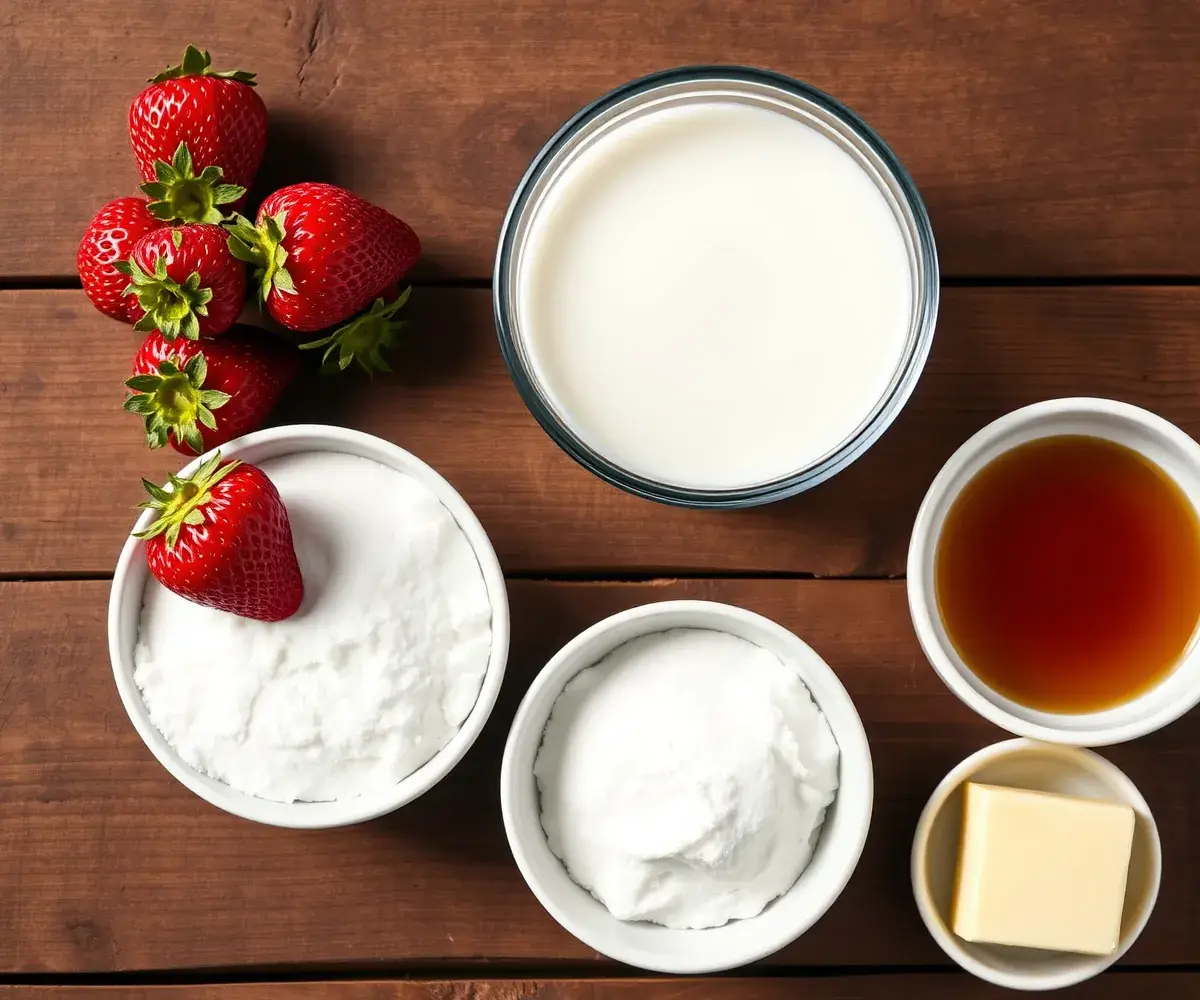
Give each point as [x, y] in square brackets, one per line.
[1068, 574]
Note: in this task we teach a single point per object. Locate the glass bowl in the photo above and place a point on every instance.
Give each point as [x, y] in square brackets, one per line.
[758, 88]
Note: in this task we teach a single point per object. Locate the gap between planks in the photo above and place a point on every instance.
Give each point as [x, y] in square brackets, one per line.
[494, 972]
[654, 577]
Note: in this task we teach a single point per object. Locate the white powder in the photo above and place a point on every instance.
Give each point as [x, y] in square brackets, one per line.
[684, 778]
[366, 682]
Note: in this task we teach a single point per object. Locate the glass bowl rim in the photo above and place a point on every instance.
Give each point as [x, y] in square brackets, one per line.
[886, 409]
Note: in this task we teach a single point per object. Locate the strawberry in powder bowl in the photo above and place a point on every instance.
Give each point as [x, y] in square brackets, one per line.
[311, 628]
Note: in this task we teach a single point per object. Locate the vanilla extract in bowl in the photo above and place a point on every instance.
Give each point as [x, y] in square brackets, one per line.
[1067, 574]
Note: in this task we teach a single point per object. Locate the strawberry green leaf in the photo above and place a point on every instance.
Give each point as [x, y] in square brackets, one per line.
[189, 328]
[144, 383]
[194, 62]
[132, 270]
[283, 282]
[137, 403]
[364, 338]
[167, 305]
[189, 434]
[198, 63]
[261, 245]
[183, 503]
[242, 251]
[174, 402]
[196, 369]
[156, 492]
[179, 195]
[275, 225]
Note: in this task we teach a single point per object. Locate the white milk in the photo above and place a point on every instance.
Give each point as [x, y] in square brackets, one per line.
[715, 295]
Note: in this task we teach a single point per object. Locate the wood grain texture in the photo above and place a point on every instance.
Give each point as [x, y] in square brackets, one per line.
[1047, 138]
[952, 986]
[107, 864]
[71, 459]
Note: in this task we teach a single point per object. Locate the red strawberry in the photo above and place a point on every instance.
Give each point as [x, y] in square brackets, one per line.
[364, 337]
[322, 253]
[109, 238]
[186, 281]
[222, 539]
[220, 118]
[178, 384]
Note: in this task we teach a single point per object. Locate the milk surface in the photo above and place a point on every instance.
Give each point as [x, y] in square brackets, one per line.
[715, 295]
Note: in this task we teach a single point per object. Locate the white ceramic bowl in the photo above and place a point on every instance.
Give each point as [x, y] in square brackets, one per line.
[651, 946]
[1041, 767]
[1155, 438]
[125, 602]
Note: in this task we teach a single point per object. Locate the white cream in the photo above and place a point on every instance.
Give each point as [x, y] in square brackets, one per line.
[684, 778]
[374, 674]
[715, 295]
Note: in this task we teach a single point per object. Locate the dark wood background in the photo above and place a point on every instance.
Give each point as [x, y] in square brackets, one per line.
[1056, 145]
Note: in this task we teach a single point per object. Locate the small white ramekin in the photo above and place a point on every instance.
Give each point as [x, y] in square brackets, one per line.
[125, 603]
[1158, 440]
[1039, 767]
[651, 946]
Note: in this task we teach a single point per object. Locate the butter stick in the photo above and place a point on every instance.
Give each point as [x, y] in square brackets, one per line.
[1039, 870]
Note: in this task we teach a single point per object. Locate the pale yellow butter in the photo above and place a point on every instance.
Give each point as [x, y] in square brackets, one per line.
[1042, 871]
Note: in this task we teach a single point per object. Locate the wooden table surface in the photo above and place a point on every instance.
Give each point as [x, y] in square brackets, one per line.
[1056, 146]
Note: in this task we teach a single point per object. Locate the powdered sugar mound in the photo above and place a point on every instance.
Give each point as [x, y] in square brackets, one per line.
[366, 682]
[684, 778]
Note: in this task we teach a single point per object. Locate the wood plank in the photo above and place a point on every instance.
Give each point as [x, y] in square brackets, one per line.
[108, 864]
[1048, 138]
[71, 458]
[953, 986]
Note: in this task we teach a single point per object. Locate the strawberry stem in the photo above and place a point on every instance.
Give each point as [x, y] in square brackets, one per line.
[198, 63]
[169, 307]
[175, 402]
[180, 501]
[364, 338]
[179, 194]
[261, 246]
